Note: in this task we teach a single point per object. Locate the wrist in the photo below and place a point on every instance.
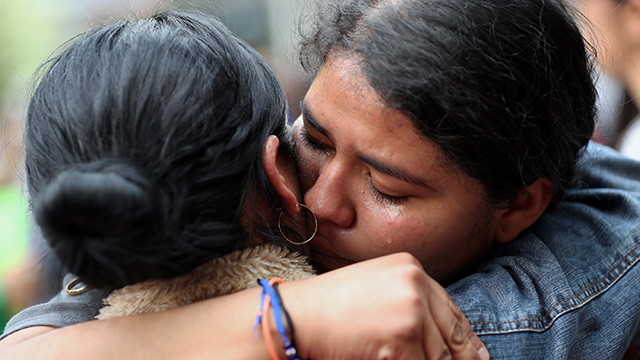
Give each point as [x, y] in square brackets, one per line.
[301, 305]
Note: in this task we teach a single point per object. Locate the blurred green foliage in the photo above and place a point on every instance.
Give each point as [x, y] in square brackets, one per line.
[29, 31]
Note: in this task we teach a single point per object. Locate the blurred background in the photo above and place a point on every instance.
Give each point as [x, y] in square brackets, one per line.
[612, 27]
[30, 30]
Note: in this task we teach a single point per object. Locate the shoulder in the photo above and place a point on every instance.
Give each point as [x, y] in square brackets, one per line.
[572, 275]
[62, 310]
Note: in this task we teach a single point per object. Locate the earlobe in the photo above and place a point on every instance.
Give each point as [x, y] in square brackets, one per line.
[528, 206]
[274, 170]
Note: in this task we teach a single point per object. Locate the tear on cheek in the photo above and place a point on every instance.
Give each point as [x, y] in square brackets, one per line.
[394, 214]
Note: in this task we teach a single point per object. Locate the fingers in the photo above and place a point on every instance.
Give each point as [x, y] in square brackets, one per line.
[434, 345]
[447, 333]
[460, 340]
[414, 316]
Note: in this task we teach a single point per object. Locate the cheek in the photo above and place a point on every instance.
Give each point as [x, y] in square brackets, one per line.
[393, 228]
[425, 233]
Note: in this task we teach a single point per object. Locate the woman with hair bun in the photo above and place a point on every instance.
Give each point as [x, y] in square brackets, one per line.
[155, 146]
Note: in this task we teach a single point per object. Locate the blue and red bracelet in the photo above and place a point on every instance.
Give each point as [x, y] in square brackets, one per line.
[267, 296]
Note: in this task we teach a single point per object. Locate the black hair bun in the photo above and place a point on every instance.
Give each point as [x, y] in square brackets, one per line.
[102, 221]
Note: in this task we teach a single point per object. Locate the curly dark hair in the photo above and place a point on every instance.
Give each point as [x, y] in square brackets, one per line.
[503, 87]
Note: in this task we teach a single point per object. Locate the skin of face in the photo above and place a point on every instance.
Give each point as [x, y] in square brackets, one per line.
[378, 187]
[631, 20]
[604, 30]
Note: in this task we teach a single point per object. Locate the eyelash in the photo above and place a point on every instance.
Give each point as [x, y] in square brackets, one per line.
[382, 197]
[308, 142]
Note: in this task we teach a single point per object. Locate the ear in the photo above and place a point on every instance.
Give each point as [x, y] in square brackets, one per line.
[275, 170]
[528, 206]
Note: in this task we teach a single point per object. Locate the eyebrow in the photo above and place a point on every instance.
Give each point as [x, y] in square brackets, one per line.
[393, 171]
[308, 117]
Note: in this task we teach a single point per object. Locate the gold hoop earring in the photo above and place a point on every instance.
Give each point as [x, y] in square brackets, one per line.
[315, 230]
[74, 292]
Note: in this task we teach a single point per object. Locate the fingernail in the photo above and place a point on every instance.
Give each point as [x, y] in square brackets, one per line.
[483, 353]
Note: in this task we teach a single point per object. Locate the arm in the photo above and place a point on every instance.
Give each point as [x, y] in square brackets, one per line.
[386, 306]
[179, 333]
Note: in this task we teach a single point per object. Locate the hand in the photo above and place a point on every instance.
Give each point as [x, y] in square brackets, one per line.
[385, 308]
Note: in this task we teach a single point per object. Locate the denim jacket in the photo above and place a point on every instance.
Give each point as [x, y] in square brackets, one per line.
[568, 287]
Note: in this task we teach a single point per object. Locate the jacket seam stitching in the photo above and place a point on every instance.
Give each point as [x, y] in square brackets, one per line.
[548, 315]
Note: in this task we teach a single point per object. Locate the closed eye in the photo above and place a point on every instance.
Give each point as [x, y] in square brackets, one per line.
[383, 197]
[309, 142]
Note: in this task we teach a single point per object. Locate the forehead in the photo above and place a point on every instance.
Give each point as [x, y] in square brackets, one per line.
[342, 103]
[341, 97]
[340, 92]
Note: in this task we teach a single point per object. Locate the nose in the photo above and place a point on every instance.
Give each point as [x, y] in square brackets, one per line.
[329, 195]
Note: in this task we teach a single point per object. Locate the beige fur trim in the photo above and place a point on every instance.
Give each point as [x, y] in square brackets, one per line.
[228, 274]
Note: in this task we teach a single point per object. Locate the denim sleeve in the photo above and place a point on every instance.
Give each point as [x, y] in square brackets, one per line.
[61, 310]
[569, 287]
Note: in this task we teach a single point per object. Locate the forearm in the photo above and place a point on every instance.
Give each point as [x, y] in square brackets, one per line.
[220, 328]
[382, 308]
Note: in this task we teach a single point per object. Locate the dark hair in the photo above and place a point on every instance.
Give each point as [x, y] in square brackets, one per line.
[503, 87]
[143, 140]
